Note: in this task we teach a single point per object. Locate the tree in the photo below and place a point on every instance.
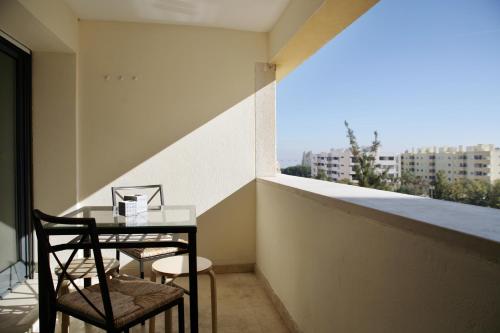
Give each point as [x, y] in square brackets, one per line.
[473, 192]
[477, 192]
[455, 192]
[321, 175]
[441, 187]
[298, 170]
[409, 183]
[494, 195]
[345, 181]
[366, 172]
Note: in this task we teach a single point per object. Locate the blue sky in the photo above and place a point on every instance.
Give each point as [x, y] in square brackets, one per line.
[421, 73]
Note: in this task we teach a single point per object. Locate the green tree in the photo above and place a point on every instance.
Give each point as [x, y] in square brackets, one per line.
[365, 170]
[409, 183]
[474, 192]
[494, 195]
[345, 181]
[456, 192]
[297, 170]
[321, 175]
[477, 192]
[441, 187]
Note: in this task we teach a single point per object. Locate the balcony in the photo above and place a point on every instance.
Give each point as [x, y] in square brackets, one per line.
[328, 254]
[191, 105]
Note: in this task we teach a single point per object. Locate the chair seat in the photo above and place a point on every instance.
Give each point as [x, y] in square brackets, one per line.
[131, 298]
[85, 267]
[127, 238]
[150, 252]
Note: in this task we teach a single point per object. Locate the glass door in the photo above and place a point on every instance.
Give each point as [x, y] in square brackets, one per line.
[15, 165]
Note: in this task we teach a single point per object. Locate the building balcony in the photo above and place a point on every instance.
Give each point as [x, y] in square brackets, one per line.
[191, 105]
[332, 257]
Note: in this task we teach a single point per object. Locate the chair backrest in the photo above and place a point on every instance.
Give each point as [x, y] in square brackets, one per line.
[153, 191]
[87, 239]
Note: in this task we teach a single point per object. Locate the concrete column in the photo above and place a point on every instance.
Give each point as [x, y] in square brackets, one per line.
[265, 120]
[54, 131]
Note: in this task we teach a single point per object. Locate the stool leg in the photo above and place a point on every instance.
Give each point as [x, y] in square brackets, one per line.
[152, 319]
[213, 294]
[64, 317]
[168, 321]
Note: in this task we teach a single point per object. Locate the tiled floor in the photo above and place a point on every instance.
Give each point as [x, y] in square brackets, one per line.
[243, 306]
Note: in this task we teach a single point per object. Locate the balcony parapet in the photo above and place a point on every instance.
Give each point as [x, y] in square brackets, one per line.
[473, 228]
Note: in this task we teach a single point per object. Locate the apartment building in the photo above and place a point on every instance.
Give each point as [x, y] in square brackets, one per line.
[481, 162]
[338, 164]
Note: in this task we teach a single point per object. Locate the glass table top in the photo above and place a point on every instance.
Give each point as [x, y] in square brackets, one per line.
[107, 216]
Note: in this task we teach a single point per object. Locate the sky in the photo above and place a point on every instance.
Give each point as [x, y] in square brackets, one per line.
[422, 73]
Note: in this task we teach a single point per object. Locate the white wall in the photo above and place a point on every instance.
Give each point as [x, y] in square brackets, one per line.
[187, 122]
[190, 111]
[337, 271]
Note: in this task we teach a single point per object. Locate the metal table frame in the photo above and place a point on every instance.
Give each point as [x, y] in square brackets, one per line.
[47, 315]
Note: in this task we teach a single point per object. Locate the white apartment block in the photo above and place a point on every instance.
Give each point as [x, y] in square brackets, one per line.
[480, 162]
[338, 164]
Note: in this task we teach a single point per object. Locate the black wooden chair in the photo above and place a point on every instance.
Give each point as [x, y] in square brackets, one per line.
[143, 255]
[118, 302]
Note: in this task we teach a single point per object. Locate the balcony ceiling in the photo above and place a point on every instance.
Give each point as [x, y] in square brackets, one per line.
[250, 15]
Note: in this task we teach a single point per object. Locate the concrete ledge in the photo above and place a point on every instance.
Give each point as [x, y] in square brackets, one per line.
[475, 229]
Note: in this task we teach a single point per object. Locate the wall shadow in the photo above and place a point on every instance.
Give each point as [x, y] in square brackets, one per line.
[226, 232]
[184, 78]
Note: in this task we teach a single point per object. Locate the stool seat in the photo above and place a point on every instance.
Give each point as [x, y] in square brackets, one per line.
[178, 266]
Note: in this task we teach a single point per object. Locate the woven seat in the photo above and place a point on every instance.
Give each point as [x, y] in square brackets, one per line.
[131, 298]
[140, 238]
[150, 252]
[85, 268]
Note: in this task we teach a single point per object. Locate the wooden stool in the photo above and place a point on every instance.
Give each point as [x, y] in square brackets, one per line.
[177, 266]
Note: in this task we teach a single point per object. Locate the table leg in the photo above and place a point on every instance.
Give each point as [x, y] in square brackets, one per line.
[86, 254]
[193, 282]
[87, 282]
